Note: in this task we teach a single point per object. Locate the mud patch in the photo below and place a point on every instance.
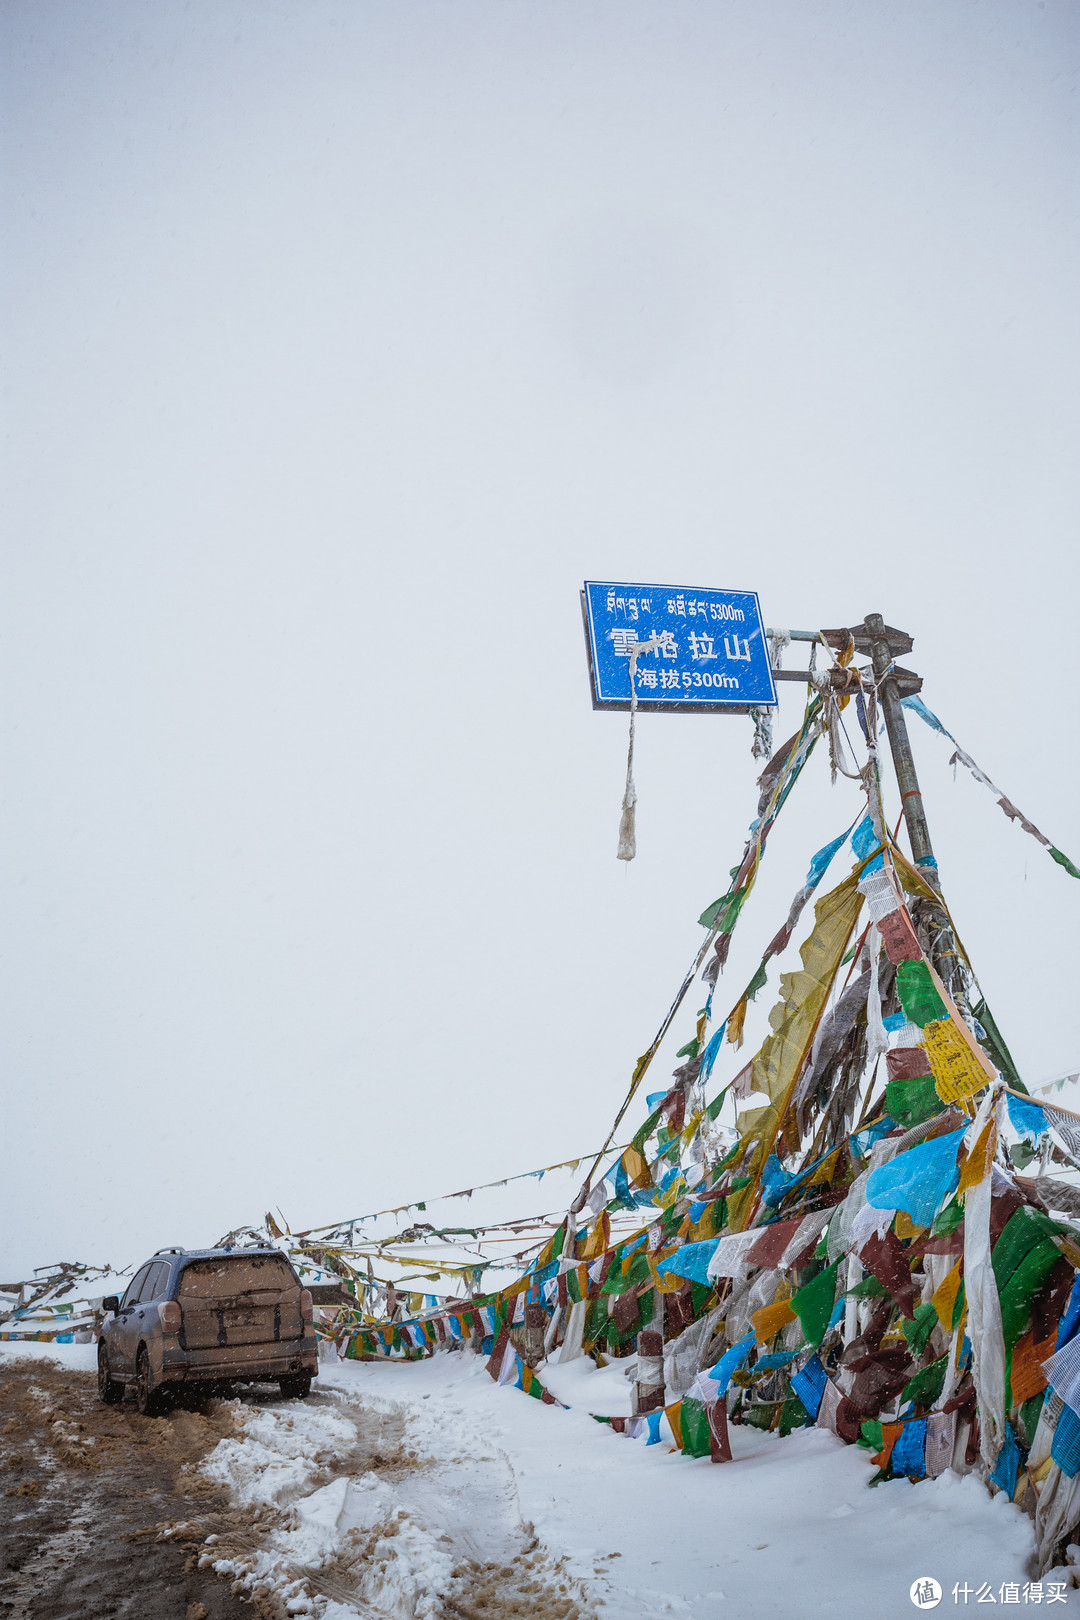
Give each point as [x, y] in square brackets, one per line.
[531, 1586]
[233, 1509]
[84, 1489]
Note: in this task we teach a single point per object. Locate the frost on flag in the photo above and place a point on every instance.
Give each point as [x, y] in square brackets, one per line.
[697, 649]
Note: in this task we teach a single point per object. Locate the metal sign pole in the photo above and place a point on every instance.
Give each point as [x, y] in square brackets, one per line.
[911, 800]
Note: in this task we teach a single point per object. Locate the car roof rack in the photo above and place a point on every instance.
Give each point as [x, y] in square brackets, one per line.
[174, 1250]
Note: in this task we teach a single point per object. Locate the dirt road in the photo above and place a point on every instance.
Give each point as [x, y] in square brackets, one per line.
[105, 1513]
[84, 1492]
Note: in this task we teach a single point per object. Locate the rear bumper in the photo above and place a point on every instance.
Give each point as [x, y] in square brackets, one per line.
[253, 1362]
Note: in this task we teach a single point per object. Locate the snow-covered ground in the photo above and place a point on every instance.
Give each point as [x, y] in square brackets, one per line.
[789, 1529]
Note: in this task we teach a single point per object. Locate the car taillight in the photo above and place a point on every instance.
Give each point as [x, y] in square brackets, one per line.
[306, 1312]
[169, 1312]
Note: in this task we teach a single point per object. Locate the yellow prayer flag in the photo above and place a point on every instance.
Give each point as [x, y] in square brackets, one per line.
[666, 1282]
[636, 1167]
[597, 1240]
[770, 1319]
[976, 1167]
[957, 1072]
[944, 1297]
[690, 1128]
[706, 1227]
[825, 1170]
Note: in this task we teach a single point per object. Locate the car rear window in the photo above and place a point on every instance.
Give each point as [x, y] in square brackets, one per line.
[244, 1274]
[135, 1286]
[156, 1283]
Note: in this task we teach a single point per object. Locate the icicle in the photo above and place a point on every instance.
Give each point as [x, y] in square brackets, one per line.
[627, 826]
[877, 1040]
[627, 830]
[762, 745]
[777, 642]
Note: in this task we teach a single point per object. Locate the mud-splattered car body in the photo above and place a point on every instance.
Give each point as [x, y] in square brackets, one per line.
[208, 1316]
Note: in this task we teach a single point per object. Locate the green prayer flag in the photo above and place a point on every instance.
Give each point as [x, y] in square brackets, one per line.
[870, 1434]
[1023, 1285]
[958, 1307]
[758, 981]
[919, 1328]
[910, 1102]
[625, 1275]
[948, 1220]
[694, 1422]
[813, 1304]
[1063, 860]
[995, 1048]
[646, 1130]
[700, 1296]
[717, 1103]
[711, 913]
[869, 1288]
[918, 994]
[1024, 1229]
[596, 1319]
[1029, 1415]
[927, 1385]
[793, 1415]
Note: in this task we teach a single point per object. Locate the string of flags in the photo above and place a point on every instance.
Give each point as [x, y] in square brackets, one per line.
[959, 757]
[885, 1243]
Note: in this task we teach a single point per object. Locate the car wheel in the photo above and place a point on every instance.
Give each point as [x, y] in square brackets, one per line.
[297, 1387]
[149, 1400]
[108, 1389]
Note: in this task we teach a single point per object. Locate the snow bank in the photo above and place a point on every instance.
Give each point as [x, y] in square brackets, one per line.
[790, 1528]
[78, 1357]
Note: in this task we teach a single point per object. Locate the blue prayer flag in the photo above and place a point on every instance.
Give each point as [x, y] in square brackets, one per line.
[820, 863]
[918, 1181]
[809, 1385]
[1071, 1319]
[692, 1261]
[1065, 1449]
[909, 1452]
[1008, 1463]
[1026, 1118]
[864, 839]
[729, 1361]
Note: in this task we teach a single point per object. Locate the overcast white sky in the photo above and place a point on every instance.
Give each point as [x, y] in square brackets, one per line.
[342, 342]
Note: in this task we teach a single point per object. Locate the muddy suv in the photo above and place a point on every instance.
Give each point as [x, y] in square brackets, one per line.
[205, 1316]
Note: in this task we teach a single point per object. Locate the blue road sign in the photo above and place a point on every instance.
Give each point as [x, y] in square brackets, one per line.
[700, 650]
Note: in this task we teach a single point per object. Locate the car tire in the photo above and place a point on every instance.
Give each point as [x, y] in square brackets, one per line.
[150, 1401]
[109, 1390]
[296, 1387]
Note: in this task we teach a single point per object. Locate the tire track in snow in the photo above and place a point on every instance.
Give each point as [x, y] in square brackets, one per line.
[375, 1508]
